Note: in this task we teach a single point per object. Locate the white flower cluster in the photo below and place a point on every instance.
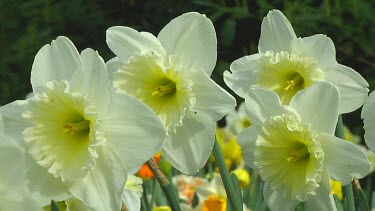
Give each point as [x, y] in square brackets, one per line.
[89, 125]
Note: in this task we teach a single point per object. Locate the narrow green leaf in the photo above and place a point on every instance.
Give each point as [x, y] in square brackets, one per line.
[338, 203]
[228, 32]
[231, 194]
[54, 206]
[237, 187]
[347, 189]
[195, 200]
[362, 201]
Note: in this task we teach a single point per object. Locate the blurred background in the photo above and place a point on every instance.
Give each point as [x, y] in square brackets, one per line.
[25, 26]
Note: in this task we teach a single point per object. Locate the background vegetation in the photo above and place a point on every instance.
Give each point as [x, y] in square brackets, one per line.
[25, 26]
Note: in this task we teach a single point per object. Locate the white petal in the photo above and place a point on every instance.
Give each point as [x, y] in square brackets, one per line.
[211, 99]
[262, 104]
[190, 147]
[12, 165]
[103, 186]
[275, 199]
[112, 66]
[74, 204]
[94, 81]
[13, 122]
[276, 33]
[246, 139]
[319, 47]
[43, 185]
[131, 200]
[125, 41]
[343, 159]
[192, 37]
[241, 77]
[58, 61]
[323, 200]
[133, 130]
[368, 116]
[352, 86]
[318, 105]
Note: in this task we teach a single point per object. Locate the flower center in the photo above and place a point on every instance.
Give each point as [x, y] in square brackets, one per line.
[288, 156]
[168, 88]
[214, 203]
[62, 136]
[77, 127]
[297, 153]
[286, 74]
[296, 81]
[245, 123]
[160, 83]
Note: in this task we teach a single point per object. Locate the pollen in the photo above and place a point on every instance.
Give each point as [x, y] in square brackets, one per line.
[298, 153]
[296, 81]
[168, 88]
[73, 128]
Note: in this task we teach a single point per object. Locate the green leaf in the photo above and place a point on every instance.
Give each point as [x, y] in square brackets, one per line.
[54, 206]
[228, 32]
[237, 187]
[338, 203]
[362, 201]
[231, 193]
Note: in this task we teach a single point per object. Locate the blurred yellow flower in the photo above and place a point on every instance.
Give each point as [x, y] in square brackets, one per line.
[187, 185]
[336, 188]
[243, 177]
[349, 136]
[228, 145]
[162, 208]
[214, 203]
[237, 120]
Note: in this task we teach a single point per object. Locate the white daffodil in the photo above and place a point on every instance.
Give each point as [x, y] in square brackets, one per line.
[171, 74]
[82, 138]
[237, 120]
[187, 185]
[132, 193]
[293, 148]
[286, 64]
[14, 194]
[368, 116]
[213, 195]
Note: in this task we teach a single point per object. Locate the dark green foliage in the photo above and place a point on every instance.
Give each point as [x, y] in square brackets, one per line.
[28, 25]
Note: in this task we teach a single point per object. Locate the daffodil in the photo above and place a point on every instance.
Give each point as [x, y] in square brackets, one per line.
[228, 144]
[237, 120]
[187, 185]
[243, 177]
[171, 74]
[213, 195]
[132, 193]
[81, 137]
[368, 116]
[336, 188]
[14, 194]
[286, 64]
[294, 150]
[349, 136]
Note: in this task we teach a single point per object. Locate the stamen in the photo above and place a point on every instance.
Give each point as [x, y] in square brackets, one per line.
[72, 128]
[298, 154]
[165, 89]
[293, 82]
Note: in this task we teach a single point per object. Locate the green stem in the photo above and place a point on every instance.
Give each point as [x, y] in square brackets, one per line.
[347, 189]
[165, 185]
[229, 188]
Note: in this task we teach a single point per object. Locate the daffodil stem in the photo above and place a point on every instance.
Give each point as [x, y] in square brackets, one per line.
[347, 189]
[228, 185]
[165, 185]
